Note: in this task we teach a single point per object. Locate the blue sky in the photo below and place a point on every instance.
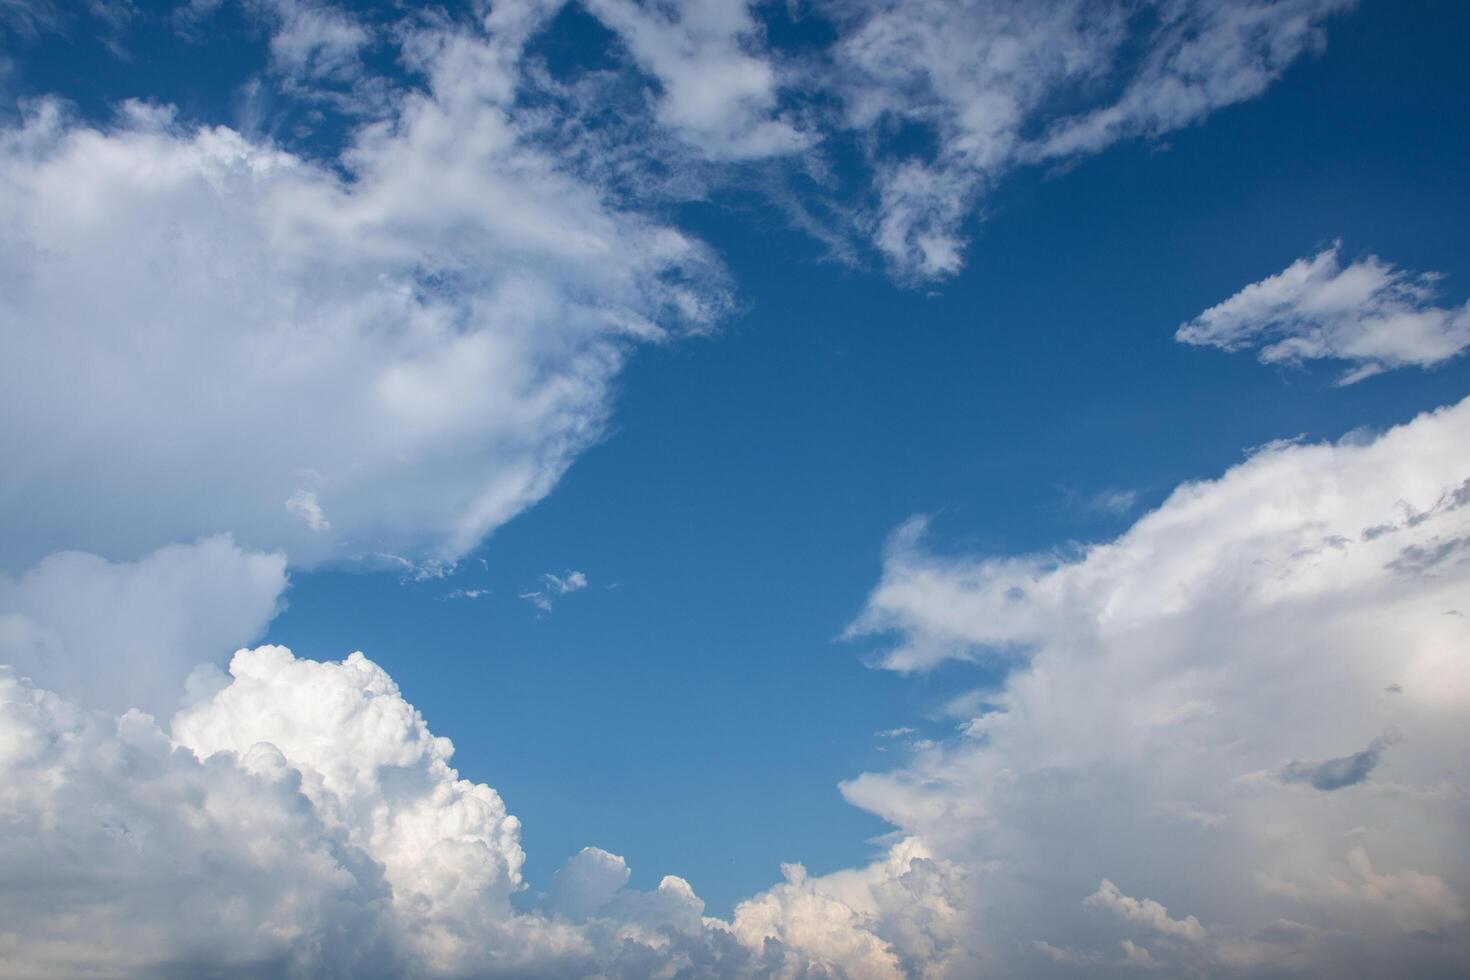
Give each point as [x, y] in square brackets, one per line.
[731, 491]
[731, 523]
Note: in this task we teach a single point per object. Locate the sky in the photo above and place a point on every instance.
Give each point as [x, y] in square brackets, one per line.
[832, 489]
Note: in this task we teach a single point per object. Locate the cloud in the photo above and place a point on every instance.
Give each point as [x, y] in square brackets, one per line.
[313, 40]
[124, 635]
[303, 504]
[302, 820]
[554, 586]
[1415, 901]
[1145, 912]
[561, 585]
[1337, 773]
[980, 84]
[718, 86]
[420, 334]
[1368, 313]
[1150, 681]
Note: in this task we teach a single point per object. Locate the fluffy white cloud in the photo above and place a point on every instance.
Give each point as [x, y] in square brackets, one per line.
[983, 80]
[300, 819]
[1184, 712]
[1369, 313]
[393, 352]
[125, 634]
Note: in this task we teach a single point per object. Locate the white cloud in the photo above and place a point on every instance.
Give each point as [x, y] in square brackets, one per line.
[313, 40]
[125, 634]
[1158, 688]
[1145, 911]
[554, 586]
[562, 584]
[718, 85]
[982, 81]
[302, 820]
[303, 504]
[1368, 313]
[430, 336]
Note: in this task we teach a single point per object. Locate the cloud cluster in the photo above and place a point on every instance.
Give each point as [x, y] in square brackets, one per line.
[1368, 313]
[1164, 694]
[939, 100]
[391, 352]
[299, 819]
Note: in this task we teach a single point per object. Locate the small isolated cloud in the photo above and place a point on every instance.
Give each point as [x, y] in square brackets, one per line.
[554, 586]
[1369, 313]
[1331, 774]
[467, 594]
[1115, 502]
[561, 585]
[303, 504]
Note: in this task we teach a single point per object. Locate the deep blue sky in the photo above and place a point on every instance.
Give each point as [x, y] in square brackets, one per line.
[693, 709]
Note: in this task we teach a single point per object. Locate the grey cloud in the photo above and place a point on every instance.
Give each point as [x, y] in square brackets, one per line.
[1339, 773]
[1420, 558]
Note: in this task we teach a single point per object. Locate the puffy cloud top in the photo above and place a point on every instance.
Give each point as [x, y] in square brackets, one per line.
[1161, 693]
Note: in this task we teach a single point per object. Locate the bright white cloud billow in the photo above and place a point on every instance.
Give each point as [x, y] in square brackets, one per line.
[1246, 717]
[1368, 313]
[300, 819]
[206, 333]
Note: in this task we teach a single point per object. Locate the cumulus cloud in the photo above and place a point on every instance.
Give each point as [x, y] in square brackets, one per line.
[1151, 681]
[1369, 313]
[126, 634]
[302, 820]
[409, 343]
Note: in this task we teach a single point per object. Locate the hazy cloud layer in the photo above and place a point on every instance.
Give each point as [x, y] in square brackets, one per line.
[125, 635]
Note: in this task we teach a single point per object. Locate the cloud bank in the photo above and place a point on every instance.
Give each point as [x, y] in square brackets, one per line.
[300, 819]
[1164, 695]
